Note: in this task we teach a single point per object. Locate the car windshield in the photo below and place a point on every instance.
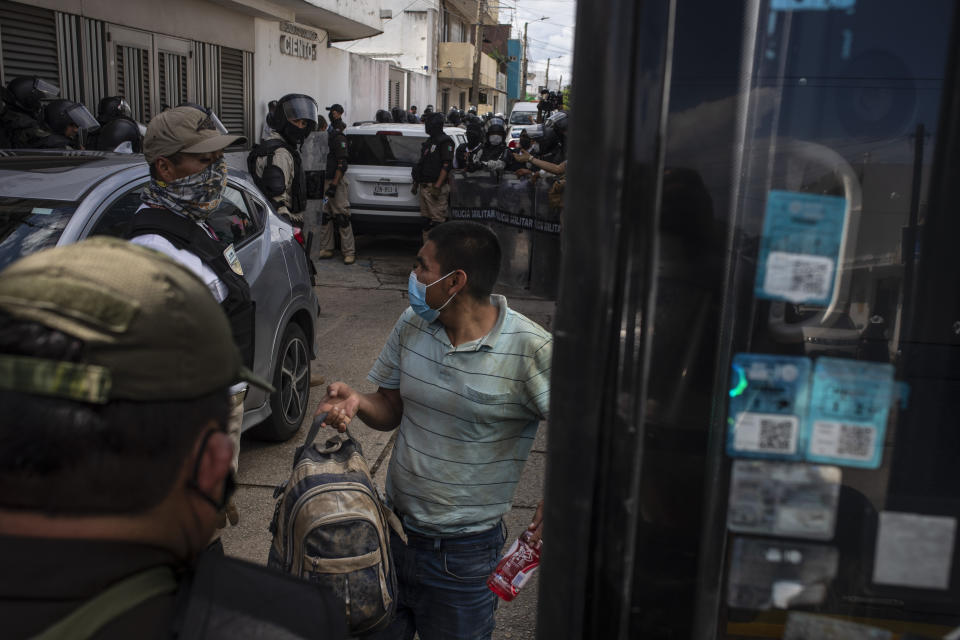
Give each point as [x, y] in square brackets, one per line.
[523, 117]
[28, 225]
[385, 149]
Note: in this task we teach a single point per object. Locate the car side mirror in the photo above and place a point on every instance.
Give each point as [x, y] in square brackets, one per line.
[273, 181]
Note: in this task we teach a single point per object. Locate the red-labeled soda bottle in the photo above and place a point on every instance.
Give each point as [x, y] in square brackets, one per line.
[516, 567]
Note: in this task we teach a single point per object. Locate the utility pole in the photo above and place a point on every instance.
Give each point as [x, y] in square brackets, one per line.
[477, 51]
[546, 80]
[523, 79]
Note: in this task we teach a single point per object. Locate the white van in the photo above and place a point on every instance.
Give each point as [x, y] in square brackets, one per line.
[381, 155]
[522, 116]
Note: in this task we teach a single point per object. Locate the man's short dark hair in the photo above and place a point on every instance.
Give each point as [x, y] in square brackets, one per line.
[72, 458]
[470, 246]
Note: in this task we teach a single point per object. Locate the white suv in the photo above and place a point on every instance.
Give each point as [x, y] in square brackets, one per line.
[381, 156]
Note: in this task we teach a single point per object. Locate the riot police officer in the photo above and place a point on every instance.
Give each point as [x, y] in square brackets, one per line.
[544, 107]
[275, 163]
[336, 207]
[494, 143]
[20, 125]
[399, 115]
[431, 173]
[66, 120]
[467, 155]
[553, 145]
[113, 107]
[121, 135]
[383, 116]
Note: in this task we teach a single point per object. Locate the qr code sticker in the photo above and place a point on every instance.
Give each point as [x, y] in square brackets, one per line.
[798, 277]
[842, 440]
[765, 433]
[776, 435]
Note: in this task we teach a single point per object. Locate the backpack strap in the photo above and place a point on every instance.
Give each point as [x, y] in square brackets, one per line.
[111, 603]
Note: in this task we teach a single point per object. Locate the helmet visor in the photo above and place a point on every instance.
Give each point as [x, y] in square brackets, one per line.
[123, 109]
[47, 90]
[80, 116]
[211, 122]
[301, 108]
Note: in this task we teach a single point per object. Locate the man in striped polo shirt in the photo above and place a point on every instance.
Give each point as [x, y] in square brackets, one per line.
[467, 380]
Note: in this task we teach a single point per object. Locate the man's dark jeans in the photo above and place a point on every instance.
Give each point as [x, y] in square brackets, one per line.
[443, 592]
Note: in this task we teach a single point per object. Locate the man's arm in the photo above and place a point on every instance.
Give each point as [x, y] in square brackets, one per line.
[380, 410]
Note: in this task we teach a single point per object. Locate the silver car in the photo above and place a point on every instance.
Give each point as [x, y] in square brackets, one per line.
[57, 198]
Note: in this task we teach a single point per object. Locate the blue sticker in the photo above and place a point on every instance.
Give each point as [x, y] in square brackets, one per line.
[800, 248]
[768, 406]
[849, 404]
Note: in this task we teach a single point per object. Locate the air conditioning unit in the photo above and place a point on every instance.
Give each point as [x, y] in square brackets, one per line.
[386, 14]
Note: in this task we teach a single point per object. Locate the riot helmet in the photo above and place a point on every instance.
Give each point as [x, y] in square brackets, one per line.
[112, 107]
[118, 132]
[496, 131]
[433, 123]
[474, 134]
[428, 109]
[472, 118]
[384, 116]
[293, 108]
[26, 94]
[212, 122]
[454, 116]
[472, 109]
[398, 114]
[558, 122]
[67, 118]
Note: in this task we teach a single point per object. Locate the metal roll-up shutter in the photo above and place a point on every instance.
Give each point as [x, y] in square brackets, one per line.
[172, 78]
[232, 110]
[28, 41]
[133, 80]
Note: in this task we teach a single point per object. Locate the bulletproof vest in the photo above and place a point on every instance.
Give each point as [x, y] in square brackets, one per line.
[492, 152]
[336, 154]
[21, 130]
[467, 159]
[431, 164]
[187, 235]
[298, 188]
[225, 598]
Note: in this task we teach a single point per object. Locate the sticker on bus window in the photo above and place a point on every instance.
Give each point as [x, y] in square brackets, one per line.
[774, 574]
[804, 626]
[800, 248]
[914, 550]
[783, 499]
[768, 403]
[849, 405]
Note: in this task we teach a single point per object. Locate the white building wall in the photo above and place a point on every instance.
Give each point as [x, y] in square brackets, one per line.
[336, 76]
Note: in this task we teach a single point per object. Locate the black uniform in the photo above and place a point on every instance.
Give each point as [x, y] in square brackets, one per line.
[436, 155]
[215, 597]
[22, 131]
[467, 157]
[187, 235]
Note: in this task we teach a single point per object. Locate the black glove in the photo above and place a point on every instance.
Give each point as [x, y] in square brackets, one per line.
[331, 191]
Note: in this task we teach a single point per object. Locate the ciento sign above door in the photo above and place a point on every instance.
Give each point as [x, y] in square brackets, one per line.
[298, 42]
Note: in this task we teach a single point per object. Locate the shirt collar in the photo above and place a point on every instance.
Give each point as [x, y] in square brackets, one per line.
[487, 342]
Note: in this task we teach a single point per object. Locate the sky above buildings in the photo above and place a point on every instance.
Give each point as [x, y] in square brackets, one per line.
[551, 38]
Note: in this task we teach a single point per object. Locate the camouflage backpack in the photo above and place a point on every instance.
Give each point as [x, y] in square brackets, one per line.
[330, 527]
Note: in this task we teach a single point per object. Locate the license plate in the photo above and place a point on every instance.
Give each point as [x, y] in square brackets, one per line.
[385, 189]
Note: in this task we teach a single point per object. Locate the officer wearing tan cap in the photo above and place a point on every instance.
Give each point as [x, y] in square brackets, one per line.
[115, 368]
[184, 147]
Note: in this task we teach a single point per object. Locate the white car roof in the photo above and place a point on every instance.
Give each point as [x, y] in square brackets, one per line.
[413, 130]
[524, 106]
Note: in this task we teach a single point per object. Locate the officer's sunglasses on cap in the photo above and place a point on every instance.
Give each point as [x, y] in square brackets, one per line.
[211, 122]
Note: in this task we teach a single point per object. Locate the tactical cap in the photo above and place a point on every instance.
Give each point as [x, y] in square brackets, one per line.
[185, 129]
[151, 329]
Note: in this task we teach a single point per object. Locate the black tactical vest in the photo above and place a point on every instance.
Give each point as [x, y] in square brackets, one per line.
[430, 165]
[187, 235]
[298, 188]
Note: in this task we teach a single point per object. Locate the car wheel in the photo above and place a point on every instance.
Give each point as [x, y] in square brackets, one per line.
[291, 379]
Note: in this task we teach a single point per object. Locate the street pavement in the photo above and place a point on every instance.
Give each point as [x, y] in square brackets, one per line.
[359, 305]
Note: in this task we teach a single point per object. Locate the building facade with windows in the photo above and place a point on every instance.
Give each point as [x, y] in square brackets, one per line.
[430, 45]
[232, 55]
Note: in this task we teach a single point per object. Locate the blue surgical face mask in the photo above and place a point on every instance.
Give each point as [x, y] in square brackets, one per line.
[417, 292]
